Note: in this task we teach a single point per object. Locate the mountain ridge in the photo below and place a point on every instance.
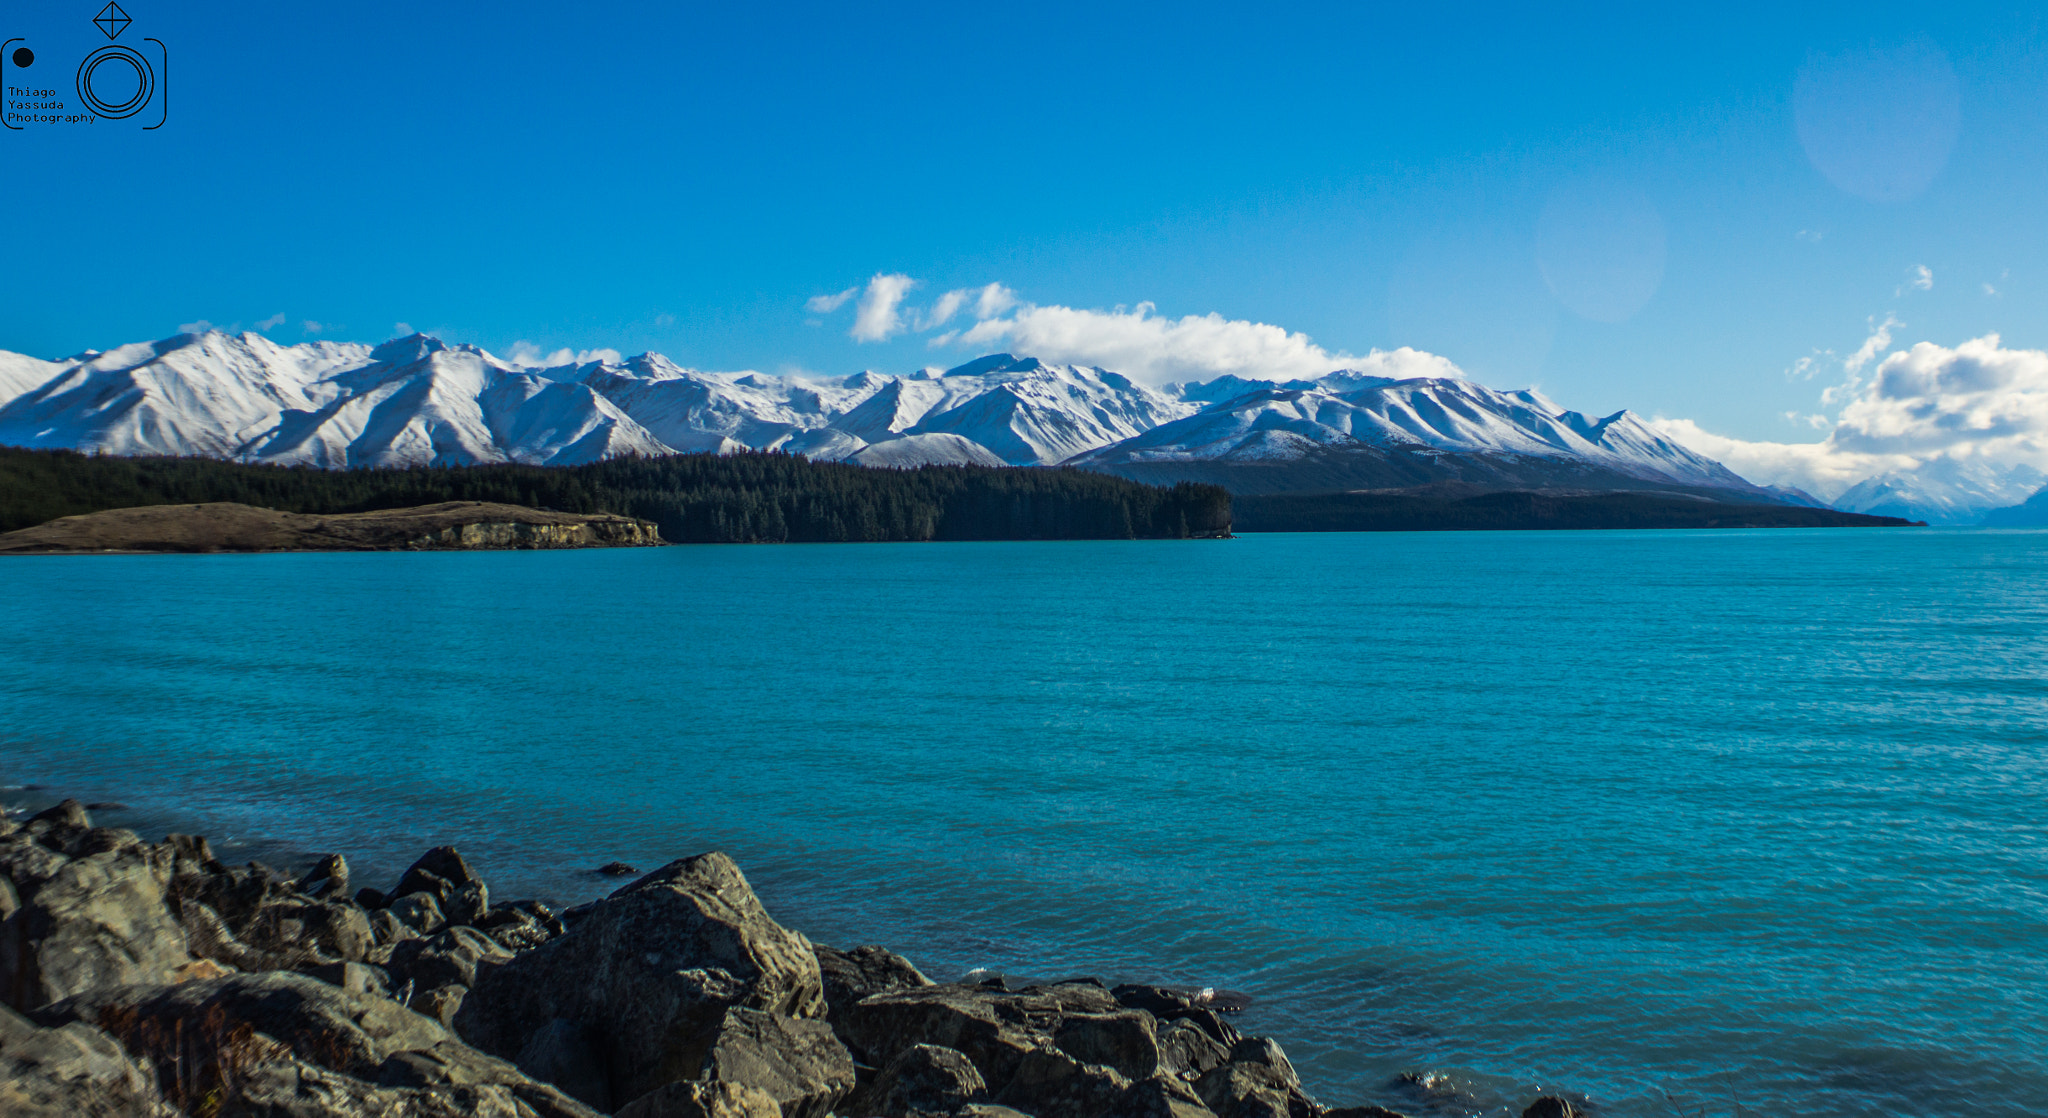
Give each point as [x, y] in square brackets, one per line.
[418, 400]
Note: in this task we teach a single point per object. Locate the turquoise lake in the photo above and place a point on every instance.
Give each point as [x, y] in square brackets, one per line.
[1757, 819]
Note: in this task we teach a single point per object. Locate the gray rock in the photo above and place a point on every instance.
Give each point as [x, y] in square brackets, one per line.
[468, 903]
[1551, 1106]
[419, 912]
[568, 1055]
[1125, 1040]
[439, 871]
[71, 1071]
[797, 1061]
[449, 956]
[26, 863]
[852, 975]
[923, 1078]
[993, 1029]
[1168, 1004]
[1186, 1051]
[1254, 1090]
[100, 920]
[299, 932]
[441, 1002]
[1162, 1098]
[1051, 1084]
[351, 1033]
[698, 1099]
[653, 970]
[457, 1065]
[388, 930]
[354, 978]
[327, 879]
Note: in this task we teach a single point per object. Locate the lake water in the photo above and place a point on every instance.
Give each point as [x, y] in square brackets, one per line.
[1757, 819]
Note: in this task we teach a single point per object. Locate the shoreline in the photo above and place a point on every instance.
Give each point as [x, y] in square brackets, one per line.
[1168, 1052]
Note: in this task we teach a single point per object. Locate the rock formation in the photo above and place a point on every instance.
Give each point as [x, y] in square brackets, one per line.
[154, 980]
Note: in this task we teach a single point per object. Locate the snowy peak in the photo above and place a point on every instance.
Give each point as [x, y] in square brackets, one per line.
[418, 399]
[1361, 413]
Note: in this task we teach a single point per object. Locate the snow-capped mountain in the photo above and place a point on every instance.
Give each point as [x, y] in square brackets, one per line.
[417, 400]
[1944, 491]
[1351, 430]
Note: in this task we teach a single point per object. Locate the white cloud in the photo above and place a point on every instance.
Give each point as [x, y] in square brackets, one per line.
[199, 327]
[942, 311]
[1990, 290]
[1151, 348]
[875, 318]
[1812, 235]
[311, 327]
[526, 355]
[1923, 278]
[820, 304]
[664, 320]
[1978, 403]
[271, 323]
[401, 329]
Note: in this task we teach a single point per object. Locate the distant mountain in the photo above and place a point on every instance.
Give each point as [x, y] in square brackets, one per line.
[2030, 513]
[417, 400]
[1351, 431]
[1944, 491]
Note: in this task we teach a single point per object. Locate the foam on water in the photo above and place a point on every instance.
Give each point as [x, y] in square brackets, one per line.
[1749, 817]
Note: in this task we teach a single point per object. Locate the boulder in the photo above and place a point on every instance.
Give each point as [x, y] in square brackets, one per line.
[852, 975]
[698, 1099]
[1362, 1112]
[99, 920]
[568, 1055]
[328, 878]
[1162, 1098]
[1253, 1090]
[796, 1060]
[991, 1028]
[520, 927]
[1051, 1084]
[70, 1071]
[1551, 1106]
[62, 828]
[457, 1065]
[1168, 1004]
[342, 1031]
[1125, 1040]
[354, 978]
[439, 871]
[468, 903]
[440, 1002]
[1186, 1051]
[26, 863]
[449, 956]
[419, 912]
[651, 971]
[923, 1078]
[299, 932]
[287, 1044]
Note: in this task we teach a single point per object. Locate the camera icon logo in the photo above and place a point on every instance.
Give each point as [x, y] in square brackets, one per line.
[114, 81]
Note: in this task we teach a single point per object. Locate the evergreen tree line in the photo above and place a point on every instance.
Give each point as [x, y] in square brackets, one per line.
[761, 497]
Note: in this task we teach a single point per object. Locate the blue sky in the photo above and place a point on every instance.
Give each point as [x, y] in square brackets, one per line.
[1629, 208]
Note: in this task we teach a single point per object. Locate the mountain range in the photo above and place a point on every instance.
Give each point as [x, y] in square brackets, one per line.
[417, 400]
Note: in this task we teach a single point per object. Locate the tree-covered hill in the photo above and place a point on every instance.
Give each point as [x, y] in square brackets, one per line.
[694, 498]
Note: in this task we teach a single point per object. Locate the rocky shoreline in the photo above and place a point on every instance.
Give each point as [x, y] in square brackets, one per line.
[152, 979]
[220, 526]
